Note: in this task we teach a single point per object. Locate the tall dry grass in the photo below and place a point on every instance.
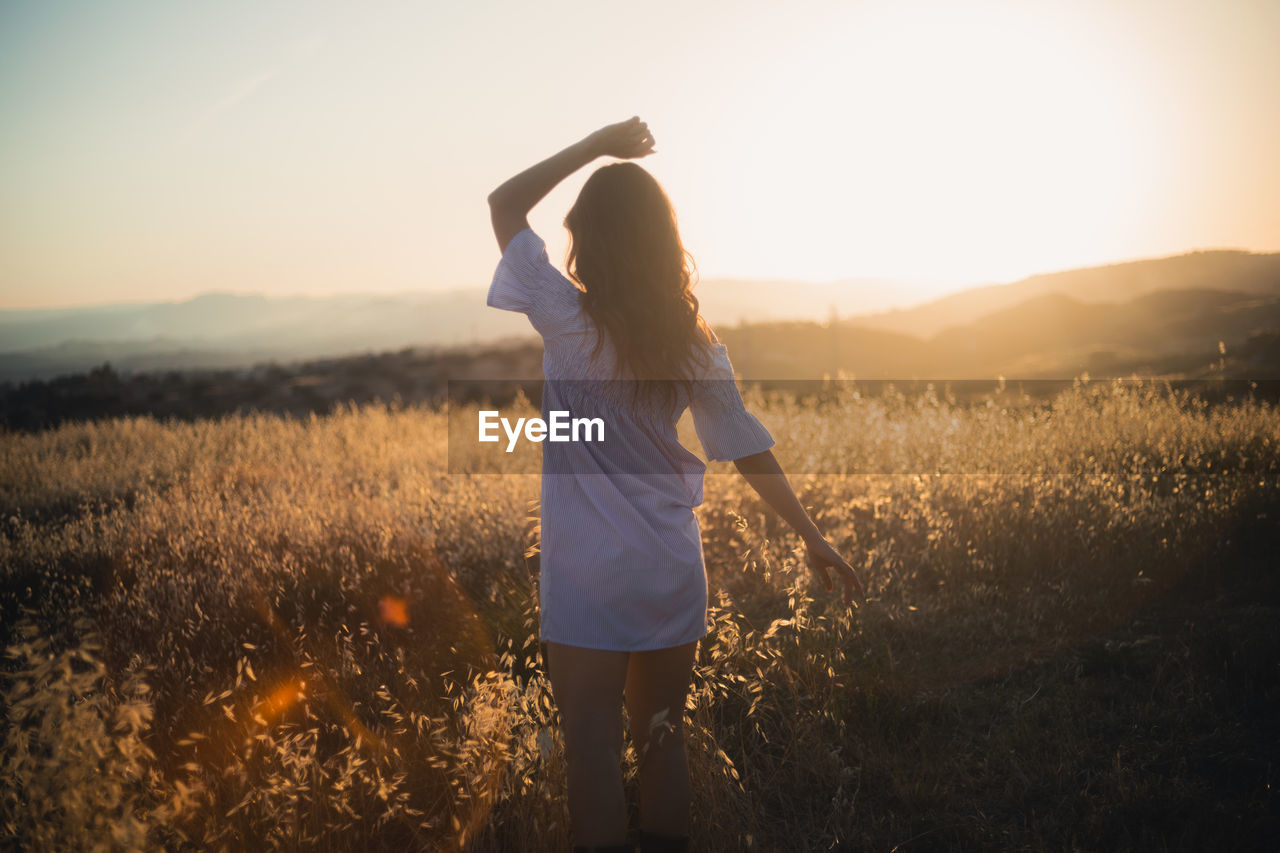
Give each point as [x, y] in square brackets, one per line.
[270, 633]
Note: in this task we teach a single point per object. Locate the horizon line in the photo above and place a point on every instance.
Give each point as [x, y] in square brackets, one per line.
[459, 288]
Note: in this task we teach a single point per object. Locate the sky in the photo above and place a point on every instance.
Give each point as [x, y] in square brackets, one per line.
[152, 151]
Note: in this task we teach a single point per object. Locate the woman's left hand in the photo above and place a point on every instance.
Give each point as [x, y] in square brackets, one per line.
[822, 557]
[626, 140]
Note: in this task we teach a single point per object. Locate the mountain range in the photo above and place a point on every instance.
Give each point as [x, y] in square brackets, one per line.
[227, 330]
[1165, 315]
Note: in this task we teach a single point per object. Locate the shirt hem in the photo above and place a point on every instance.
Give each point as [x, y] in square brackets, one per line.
[613, 647]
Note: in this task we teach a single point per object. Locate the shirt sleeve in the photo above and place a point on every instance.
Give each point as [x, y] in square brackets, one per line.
[525, 281]
[724, 426]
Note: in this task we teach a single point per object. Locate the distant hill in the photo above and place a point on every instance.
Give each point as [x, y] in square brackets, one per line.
[1174, 334]
[1138, 315]
[239, 330]
[410, 376]
[1167, 333]
[226, 330]
[1246, 272]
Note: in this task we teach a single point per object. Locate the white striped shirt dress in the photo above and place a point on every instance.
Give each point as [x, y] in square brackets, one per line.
[621, 554]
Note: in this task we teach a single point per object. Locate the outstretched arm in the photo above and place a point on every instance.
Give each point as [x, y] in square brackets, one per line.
[509, 204]
[764, 474]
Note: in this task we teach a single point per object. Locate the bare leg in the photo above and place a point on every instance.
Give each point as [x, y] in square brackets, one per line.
[658, 682]
[587, 686]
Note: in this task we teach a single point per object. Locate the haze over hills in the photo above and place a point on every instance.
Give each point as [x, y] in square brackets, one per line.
[1052, 336]
[231, 330]
[1141, 314]
[1248, 272]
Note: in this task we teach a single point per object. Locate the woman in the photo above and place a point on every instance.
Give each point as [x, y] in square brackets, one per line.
[623, 587]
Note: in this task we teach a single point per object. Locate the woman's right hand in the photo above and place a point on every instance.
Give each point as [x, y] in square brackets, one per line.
[822, 558]
[626, 140]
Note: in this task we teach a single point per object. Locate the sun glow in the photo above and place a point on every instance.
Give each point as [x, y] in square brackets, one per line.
[158, 153]
[964, 144]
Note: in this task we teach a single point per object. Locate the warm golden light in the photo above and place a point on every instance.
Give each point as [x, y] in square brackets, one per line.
[954, 142]
[394, 611]
[281, 699]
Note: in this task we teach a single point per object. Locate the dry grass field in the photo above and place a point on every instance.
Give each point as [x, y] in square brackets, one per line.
[271, 633]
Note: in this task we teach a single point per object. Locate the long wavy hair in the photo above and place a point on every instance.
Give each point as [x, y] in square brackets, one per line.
[636, 277]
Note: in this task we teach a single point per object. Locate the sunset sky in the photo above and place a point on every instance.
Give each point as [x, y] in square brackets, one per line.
[157, 150]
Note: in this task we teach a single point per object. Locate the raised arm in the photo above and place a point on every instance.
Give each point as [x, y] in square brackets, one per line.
[764, 474]
[509, 204]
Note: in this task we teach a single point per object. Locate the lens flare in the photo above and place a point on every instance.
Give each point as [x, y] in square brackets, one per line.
[394, 611]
